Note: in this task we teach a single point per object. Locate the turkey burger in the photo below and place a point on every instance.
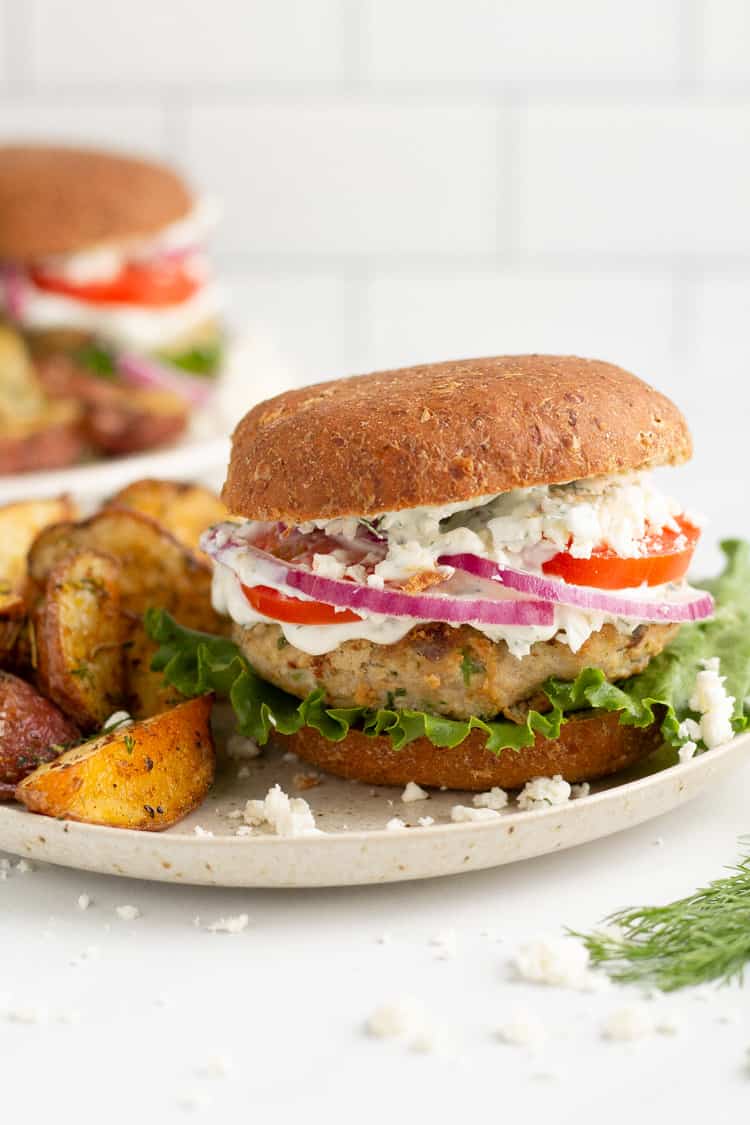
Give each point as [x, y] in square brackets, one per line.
[442, 574]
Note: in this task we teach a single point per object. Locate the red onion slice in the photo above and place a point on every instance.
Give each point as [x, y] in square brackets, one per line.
[694, 608]
[14, 286]
[223, 544]
[141, 371]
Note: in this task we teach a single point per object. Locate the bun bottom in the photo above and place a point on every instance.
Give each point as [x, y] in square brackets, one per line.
[588, 747]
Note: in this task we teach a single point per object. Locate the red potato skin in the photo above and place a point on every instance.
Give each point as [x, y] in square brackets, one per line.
[53, 448]
[119, 419]
[32, 731]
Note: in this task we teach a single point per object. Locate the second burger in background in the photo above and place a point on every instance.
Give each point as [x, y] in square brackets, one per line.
[103, 272]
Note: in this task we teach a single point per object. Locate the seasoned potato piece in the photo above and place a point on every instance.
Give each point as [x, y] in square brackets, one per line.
[146, 692]
[146, 775]
[156, 570]
[51, 439]
[20, 523]
[12, 616]
[32, 731]
[79, 634]
[186, 510]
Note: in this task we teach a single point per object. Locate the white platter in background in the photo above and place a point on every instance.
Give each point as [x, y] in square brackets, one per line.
[355, 847]
[251, 374]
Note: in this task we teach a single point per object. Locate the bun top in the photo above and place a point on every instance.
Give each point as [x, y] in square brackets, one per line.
[62, 200]
[446, 432]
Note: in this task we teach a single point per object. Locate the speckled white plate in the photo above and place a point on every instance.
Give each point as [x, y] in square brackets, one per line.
[355, 846]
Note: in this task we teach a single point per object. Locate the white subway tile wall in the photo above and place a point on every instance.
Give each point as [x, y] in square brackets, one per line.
[408, 180]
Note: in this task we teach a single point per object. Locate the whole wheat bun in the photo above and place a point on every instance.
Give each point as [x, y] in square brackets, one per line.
[56, 200]
[446, 432]
[589, 746]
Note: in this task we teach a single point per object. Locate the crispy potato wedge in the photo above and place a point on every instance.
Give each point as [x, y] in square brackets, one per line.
[133, 419]
[12, 617]
[20, 523]
[79, 632]
[146, 692]
[52, 439]
[156, 570]
[186, 510]
[117, 418]
[147, 775]
[32, 731]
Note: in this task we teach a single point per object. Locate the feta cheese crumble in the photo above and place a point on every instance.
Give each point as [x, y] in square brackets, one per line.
[465, 814]
[414, 792]
[127, 913]
[541, 792]
[396, 824]
[714, 705]
[394, 1020]
[241, 749]
[495, 799]
[284, 815]
[426, 821]
[234, 925]
[522, 1030]
[559, 962]
[628, 1024]
[83, 902]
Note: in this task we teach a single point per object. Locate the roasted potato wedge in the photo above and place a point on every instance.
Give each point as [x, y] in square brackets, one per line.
[146, 775]
[32, 731]
[79, 633]
[146, 692]
[20, 524]
[12, 616]
[52, 439]
[186, 510]
[156, 570]
[133, 419]
[118, 419]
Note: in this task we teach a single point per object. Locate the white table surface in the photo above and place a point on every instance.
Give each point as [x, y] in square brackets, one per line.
[283, 1004]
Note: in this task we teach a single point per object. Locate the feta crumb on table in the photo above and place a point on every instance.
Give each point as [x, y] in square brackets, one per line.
[396, 824]
[426, 821]
[628, 1024]
[414, 792]
[559, 962]
[127, 913]
[522, 1030]
[83, 902]
[232, 925]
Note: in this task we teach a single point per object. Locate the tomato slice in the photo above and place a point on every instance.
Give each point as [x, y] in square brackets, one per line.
[666, 558]
[272, 603]
[155, 284]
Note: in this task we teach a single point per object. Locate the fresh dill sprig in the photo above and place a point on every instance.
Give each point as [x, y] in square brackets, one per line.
[701, 938]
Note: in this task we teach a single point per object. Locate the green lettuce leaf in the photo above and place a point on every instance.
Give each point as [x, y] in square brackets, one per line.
[196, 662]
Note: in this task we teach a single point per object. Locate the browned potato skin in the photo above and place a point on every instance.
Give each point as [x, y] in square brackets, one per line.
[185, 510]
[12, 616]
[119, 419]
[20, 523]
[55, 438]
[79, 633]
[156, 570]
[146, 692]
[145, 776]
[32, 731]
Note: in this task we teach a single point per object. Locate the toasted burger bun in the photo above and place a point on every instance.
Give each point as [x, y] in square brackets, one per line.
[446, 432]
[589, 746]
[57, 200]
